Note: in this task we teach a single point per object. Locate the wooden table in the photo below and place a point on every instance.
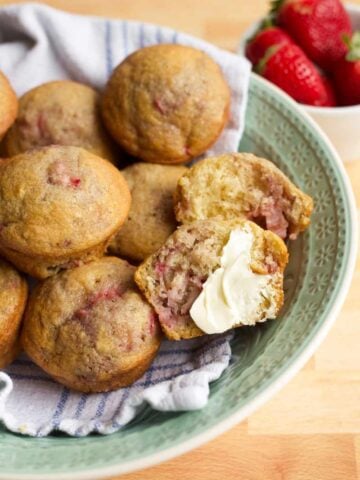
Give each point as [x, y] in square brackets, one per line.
[311, 429]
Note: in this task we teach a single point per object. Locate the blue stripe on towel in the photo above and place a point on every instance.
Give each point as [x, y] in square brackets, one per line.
[148, 376]
[149, 382]
[100, 409]
[156, 368]
[142, 35]
[175, 37]
[125, 38]
[118, 410]
[159, 35]
[101, 406]
[108, 49]
[60, 407]
[81, 405]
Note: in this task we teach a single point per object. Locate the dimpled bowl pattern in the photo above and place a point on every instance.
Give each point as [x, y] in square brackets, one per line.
[319, 265]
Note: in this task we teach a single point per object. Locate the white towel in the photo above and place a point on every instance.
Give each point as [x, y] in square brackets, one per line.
[39, 44]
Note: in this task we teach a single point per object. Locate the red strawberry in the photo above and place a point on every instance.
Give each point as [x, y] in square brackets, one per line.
[289, 68]
[317, 26]
[346, 73]
[329, 89]
[262, 40]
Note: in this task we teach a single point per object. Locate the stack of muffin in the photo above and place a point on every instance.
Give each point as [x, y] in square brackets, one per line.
[95, 322]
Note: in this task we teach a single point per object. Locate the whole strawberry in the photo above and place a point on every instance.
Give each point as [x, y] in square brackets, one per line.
[346, 73]
[317, 26]
[263, 39]
[290, 69]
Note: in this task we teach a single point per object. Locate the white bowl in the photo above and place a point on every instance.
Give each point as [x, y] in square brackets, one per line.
[341, 124]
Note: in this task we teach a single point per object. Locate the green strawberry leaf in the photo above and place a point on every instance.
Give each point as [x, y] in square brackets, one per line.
[275, 6]
[353, 45]
[267, 22]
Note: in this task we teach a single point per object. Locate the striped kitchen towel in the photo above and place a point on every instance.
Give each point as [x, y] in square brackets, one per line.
[39, 44]
[33, 404]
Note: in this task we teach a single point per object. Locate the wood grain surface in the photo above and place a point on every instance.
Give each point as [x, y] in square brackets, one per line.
[311, 429]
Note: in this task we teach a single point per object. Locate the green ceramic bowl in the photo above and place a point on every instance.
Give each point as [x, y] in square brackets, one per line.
[266, 357]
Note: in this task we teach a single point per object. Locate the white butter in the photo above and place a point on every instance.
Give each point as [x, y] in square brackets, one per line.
[233, 294]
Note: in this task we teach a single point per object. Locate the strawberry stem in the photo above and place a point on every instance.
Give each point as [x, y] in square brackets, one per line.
[267, 23]
[275, 6]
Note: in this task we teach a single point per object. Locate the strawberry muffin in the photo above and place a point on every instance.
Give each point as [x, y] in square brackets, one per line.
[214, 275]
[61, 113]
[61, 206]
[13, 295]
[8, 105]
[166, 103]
[100, 334]
[151, 218]
[245, 186]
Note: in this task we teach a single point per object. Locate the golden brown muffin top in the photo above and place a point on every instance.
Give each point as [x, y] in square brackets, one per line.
[59, 200]
[166, 103]
[96, 321]
[8, 104]
[151, 218]
[59, 113]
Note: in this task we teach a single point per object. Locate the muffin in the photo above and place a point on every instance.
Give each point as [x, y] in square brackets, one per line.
[213, 275]
[61, 206]
[151, 218]
[166, 103]
[13, 295]
[62, 113]
[8, 105]
[100, 334]
[245, 186]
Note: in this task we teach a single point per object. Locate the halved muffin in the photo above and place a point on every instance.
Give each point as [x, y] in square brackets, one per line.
[243, 185]
[213, 275]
